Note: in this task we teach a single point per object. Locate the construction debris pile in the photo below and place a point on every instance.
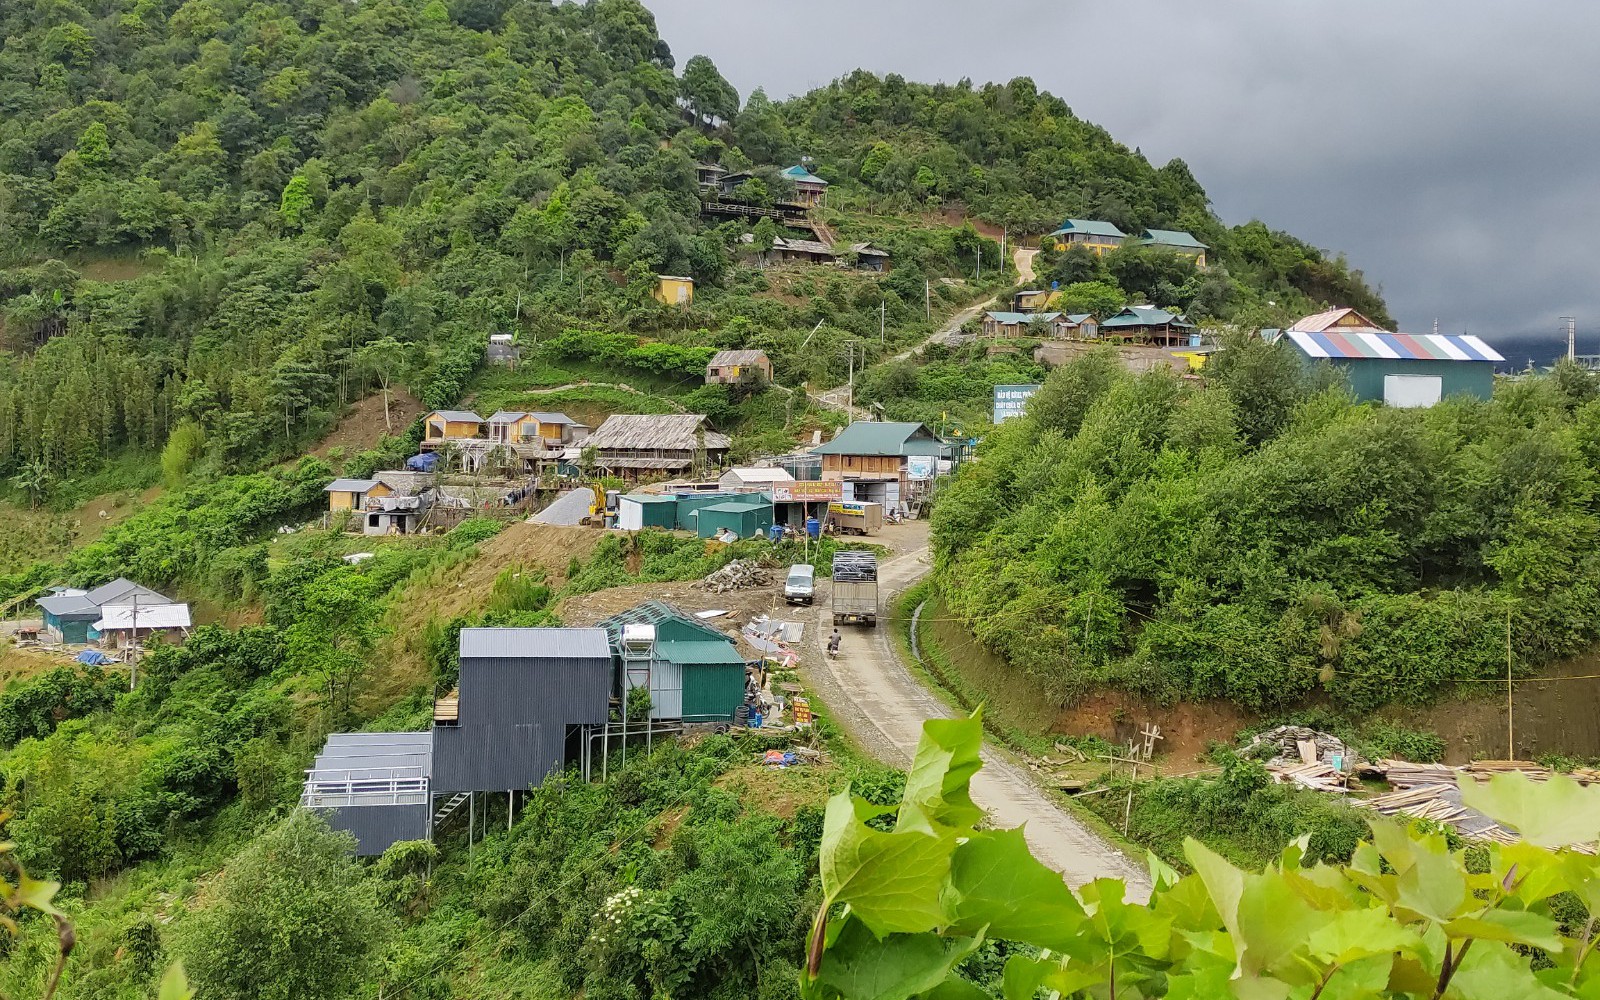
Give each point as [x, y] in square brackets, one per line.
[1303, 756]
[1303, 745]
[741, 574]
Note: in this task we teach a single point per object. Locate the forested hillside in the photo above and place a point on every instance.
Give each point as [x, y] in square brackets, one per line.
[1265, 539]
[224, 220]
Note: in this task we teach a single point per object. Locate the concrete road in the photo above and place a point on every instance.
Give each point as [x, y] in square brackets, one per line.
[879, 701]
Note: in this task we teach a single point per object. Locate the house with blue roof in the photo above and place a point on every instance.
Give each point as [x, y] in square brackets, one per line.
[809, 189]
[1396, 369]
[1149, 325]
[1098, 236]
[1175, 240]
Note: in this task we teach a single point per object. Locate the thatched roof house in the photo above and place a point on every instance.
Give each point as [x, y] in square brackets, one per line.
[633, 443]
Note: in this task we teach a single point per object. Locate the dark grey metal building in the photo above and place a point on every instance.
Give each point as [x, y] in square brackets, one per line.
[374, 785]
[527, 702]
[523, 691]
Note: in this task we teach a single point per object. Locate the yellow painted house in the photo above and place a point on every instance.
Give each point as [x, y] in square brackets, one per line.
[1030, 300]
[518, 427]
[352, 494]
[1100, 237]
[442, 424]
[674, 291]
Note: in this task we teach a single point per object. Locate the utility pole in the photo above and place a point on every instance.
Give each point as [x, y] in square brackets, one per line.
[927, 297]
[850, 399]
[1511, 731]
[1572, 337]
[881, 305]
[133, 648]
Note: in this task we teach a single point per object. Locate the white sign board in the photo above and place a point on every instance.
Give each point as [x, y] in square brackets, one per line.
[1411, 391]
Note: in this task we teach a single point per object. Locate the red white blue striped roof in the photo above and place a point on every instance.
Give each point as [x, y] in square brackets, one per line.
[1333, 343]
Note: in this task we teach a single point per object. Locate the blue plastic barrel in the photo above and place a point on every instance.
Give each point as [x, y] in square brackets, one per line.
[775, 532]
[813, 527]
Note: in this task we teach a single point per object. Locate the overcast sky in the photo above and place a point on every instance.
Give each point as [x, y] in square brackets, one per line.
[1448, 147]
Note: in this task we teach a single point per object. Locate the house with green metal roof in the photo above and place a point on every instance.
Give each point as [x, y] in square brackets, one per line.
[1054, 325]
[887, 462]
[692, 671]
[1175, 240]
[1149, 325]
[809, 189]
[1100, 237]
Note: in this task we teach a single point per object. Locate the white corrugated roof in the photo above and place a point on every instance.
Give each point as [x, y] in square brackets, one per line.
[123, 616]
[762, 475]
[534, 643]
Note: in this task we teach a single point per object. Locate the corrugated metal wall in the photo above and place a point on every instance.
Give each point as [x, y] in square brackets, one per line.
[1472, 378]
[514, 717]
[377, 828]
[712, 691]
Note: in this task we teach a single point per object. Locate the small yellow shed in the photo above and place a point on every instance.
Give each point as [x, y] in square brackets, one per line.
[674, 291]
[352, 494]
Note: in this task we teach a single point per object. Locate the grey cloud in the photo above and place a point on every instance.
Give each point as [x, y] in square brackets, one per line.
[1447, 148]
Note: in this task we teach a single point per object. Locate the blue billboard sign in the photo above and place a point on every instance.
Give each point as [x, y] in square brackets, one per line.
[1009, 400]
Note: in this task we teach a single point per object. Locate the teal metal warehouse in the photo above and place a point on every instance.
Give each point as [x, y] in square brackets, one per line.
[745, 518]
[1398, 369]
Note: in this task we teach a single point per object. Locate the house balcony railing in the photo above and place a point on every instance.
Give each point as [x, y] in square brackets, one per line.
[340, 788]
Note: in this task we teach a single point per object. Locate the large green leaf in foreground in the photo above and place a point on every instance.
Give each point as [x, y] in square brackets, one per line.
[905, 907]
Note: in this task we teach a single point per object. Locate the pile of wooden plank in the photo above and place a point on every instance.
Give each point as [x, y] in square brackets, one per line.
[1315, 775]
[1430, 792]
[1405, 774]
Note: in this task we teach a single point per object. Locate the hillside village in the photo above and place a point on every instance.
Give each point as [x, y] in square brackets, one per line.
[482, 504]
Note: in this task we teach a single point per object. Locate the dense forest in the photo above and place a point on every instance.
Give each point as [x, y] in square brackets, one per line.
[1265, 538]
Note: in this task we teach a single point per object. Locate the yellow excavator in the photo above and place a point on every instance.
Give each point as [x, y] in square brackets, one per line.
[598, 509]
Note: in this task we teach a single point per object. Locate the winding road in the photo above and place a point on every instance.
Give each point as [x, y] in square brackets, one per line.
[881, 703]
[838, 397]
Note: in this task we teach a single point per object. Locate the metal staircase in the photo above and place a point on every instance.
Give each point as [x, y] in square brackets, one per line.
[457, 800]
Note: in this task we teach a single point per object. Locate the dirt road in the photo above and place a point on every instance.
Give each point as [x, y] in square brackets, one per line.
[880, 702]
[1024, 261]
[838, 397]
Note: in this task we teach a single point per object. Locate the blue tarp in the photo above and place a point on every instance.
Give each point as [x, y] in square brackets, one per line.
[422, 463]
[94, 658]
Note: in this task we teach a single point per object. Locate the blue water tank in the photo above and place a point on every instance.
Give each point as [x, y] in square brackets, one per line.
[813, 527]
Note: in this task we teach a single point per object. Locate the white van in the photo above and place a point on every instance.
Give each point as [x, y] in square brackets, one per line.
[800, 586]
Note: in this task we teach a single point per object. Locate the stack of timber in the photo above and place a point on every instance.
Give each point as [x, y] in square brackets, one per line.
[1404, 774]
[1315, 775]
[1430, 792]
